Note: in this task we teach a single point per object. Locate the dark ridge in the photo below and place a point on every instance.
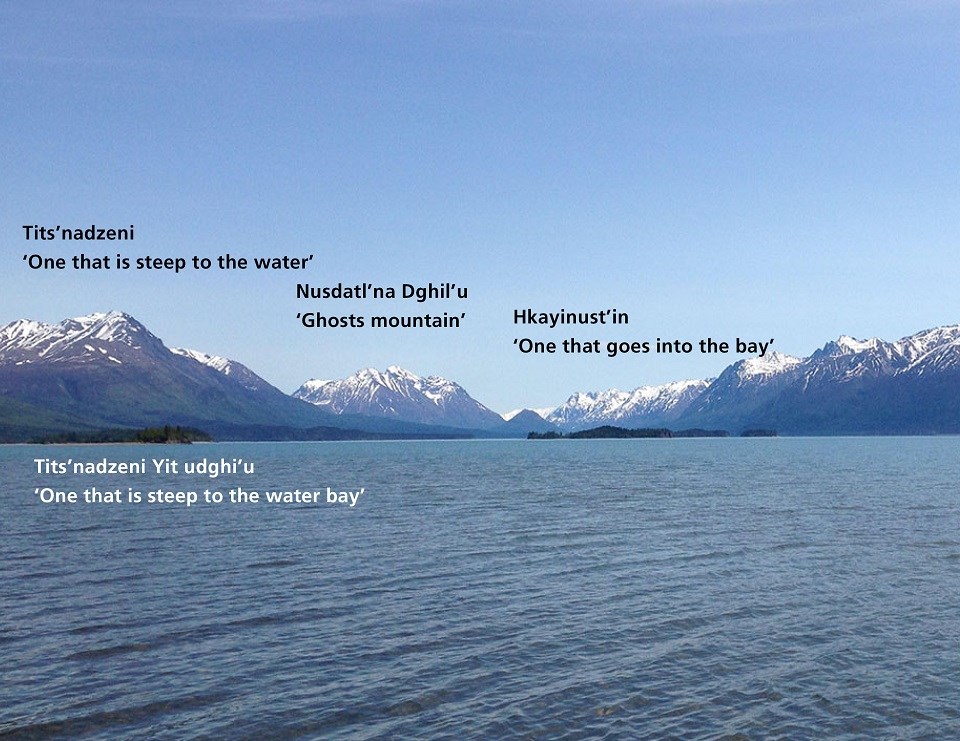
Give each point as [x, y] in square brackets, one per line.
[165, 434]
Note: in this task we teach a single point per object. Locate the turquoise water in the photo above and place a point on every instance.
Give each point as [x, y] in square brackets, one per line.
[596, 588]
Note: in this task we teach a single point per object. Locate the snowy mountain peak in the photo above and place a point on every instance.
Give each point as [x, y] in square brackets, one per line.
[769, 365]
[937, 335]
[853, 345]
[113, 326]
[20, 330]
[396, 370]
[400, 394]
[920, 344]
[113, 336]
[846, 346]
[313, 384]
[112, 317]
[669, 392]
[646, 406]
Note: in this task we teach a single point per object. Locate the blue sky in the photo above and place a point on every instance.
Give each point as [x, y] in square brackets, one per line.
[726, 168]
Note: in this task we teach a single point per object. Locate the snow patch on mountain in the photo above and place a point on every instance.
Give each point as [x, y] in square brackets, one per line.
[237, 371]
[214, 361]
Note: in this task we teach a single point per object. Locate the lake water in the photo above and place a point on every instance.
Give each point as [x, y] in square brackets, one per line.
[731, 588]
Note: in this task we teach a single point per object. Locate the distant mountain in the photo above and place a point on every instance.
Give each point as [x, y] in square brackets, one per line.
[399, 394]
[524, 422]
[542, 412]
[849, 386]
[647, 406]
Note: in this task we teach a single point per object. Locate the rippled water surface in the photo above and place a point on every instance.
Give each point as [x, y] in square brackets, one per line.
[803, 588]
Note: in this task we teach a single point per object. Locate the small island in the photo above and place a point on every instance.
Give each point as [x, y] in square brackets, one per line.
[612, 432]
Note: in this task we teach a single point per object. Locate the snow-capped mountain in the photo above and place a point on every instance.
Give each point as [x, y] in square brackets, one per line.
[933, 351]
[107, 370]
[847, 358]
[911, 385]
[646, 406]
[524, 422]
[112, 336]
[542, 412]
[399, 394]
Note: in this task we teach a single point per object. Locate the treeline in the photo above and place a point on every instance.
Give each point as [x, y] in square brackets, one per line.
[165, 434]
[168, 434]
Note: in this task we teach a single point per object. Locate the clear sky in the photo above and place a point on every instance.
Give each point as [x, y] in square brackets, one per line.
[726, 168]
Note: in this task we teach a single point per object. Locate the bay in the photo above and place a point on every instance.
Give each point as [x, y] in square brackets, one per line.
[696, 588]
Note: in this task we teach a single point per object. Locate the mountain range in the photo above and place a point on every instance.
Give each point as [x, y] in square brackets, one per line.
[647, 406]
[849, 386]
[108, 370]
